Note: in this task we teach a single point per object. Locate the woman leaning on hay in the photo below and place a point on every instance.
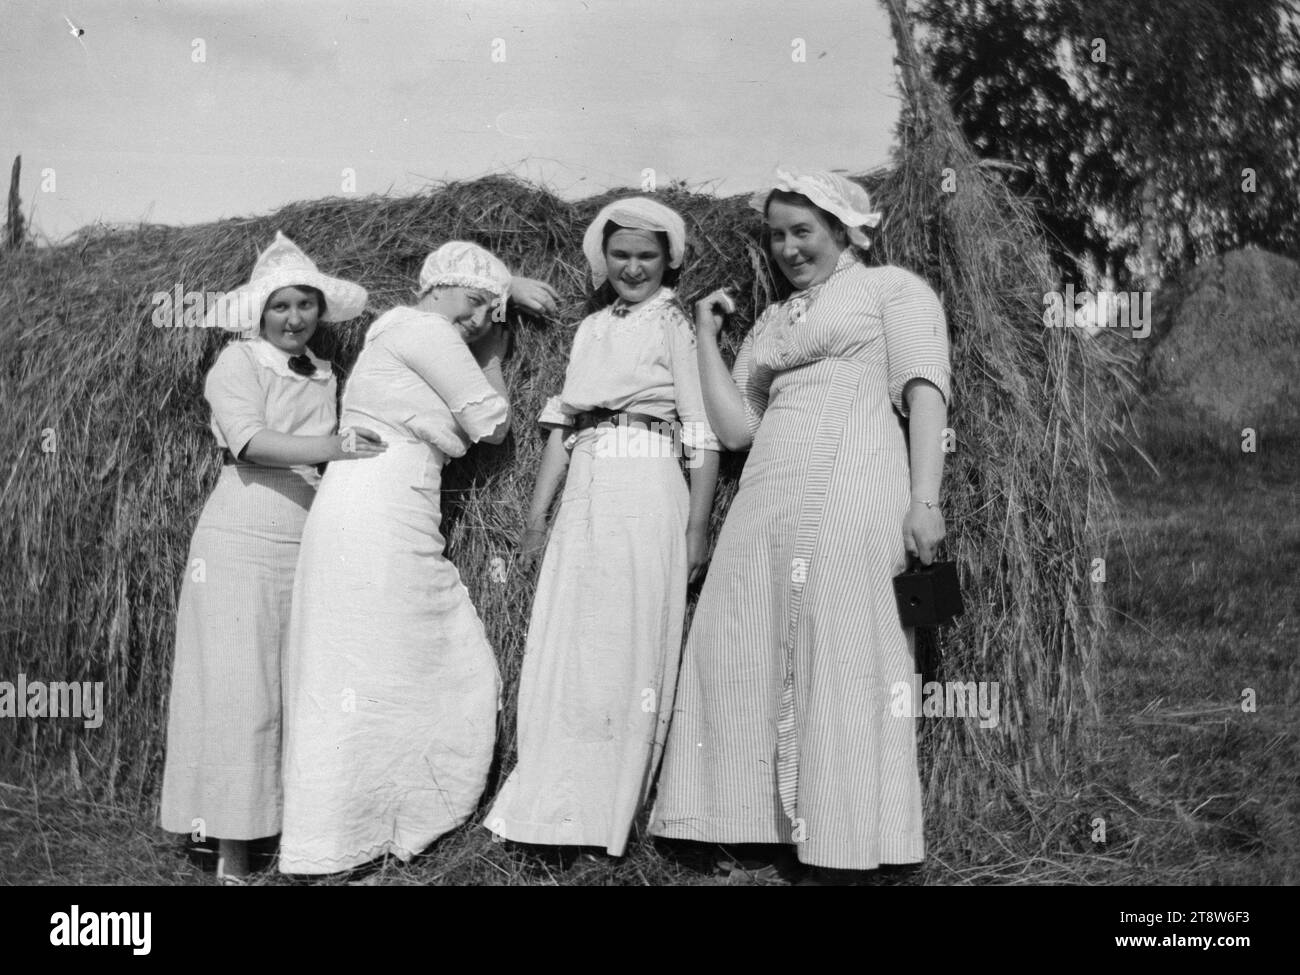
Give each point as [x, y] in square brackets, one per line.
[273, 413]
[783, 731]
[391, 686]
[605, 637]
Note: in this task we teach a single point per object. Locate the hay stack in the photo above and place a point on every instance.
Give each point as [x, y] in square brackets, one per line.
[1226, 352]
[95, 532]
[1036, 410]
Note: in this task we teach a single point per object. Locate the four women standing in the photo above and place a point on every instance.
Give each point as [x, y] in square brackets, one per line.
[782, 730]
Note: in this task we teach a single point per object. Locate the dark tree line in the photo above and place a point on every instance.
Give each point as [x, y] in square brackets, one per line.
[1151, 133]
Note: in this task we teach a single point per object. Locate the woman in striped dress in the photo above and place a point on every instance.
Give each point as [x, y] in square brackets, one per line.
[783, 731]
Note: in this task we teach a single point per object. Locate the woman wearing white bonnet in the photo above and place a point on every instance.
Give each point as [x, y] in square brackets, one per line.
[604, 640]
[634, 213]
[784, 732]
[274, 419]
[391, 687]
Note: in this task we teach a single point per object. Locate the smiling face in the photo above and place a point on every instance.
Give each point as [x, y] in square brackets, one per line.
[636, 261]
[290, 318]
[469, 309]
[806, 243]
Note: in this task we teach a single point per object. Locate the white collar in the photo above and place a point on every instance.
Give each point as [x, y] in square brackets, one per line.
[277, 360]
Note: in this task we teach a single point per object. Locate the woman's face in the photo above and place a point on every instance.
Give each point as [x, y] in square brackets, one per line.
[636, 263]
[290, 318]
[804, 245]
[469, 309]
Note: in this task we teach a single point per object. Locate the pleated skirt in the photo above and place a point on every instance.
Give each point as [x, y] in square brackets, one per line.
[603, 647]
[222, 771]
[391, 687]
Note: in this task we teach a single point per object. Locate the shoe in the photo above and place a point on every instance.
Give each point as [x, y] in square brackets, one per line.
[752, 873]
[229, 879]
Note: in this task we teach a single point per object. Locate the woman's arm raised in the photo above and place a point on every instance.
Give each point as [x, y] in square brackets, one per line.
[722, 399]
[537, 297]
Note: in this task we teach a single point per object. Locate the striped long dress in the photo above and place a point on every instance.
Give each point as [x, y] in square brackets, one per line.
[782, 731]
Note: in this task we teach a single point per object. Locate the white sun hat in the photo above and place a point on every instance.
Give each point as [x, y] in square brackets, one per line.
[634, 213]
[842, 198]
[284, 265]
[460, 264]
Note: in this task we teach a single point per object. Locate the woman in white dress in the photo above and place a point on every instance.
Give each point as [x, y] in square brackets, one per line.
[391, 687]
[273, 414]
[604, 642]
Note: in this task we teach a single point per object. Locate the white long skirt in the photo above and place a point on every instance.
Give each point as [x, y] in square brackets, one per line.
[600, 662]
[391, 687]
[222, 773]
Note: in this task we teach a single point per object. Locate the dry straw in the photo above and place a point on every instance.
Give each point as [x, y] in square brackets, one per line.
[95, 533]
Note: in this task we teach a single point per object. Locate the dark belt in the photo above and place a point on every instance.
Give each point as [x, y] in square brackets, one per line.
[594, 418]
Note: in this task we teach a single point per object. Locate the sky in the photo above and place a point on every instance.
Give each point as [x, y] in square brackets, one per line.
[178, 112]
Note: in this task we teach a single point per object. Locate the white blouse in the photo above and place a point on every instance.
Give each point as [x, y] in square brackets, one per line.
[251, 388]
[416, 379]
[643, 362]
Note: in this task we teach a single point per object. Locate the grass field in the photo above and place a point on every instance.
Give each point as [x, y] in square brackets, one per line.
[1192, 788]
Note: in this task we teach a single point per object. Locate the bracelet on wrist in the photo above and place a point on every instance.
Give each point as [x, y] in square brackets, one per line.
[928, 504]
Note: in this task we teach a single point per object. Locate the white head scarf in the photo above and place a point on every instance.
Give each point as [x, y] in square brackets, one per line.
[460, 264]
[842, 198]
[635, 213]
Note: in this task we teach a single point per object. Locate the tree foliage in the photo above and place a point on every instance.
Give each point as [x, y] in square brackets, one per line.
[1150, 133]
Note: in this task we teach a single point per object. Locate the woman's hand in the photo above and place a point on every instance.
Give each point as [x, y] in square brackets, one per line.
[357, 443]
[711, 312]
[697, 550]
[537, 297]
[531, 546]
[923, 530]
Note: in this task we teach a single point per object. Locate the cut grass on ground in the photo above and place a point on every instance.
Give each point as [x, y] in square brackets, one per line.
[1192, 789]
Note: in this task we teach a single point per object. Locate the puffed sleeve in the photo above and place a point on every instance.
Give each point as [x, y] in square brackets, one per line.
[753, 382]
[558, 412]
[235, 392]
[431, 347]
[916, 337]
[696, 432]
